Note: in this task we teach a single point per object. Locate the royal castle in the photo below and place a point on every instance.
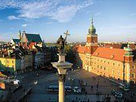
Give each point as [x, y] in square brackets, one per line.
[114, 63]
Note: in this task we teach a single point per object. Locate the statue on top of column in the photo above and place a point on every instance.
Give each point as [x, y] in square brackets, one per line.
[62, 42]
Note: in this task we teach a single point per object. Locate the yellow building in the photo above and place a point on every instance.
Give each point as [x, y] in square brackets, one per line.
[10, 64]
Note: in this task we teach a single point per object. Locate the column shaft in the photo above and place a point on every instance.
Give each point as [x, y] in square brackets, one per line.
[61, 89]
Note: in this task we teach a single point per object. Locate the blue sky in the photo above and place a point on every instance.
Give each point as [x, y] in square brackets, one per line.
[114, 20]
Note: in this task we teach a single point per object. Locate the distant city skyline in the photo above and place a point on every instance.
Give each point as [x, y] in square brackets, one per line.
[114, 20]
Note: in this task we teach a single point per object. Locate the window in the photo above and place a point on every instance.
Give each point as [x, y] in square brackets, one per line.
[133, 75]
[133, 67]
[113, 64]
[118, 72]
[112, 72]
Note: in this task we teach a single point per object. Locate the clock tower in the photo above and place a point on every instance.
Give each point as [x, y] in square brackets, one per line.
[92, 38]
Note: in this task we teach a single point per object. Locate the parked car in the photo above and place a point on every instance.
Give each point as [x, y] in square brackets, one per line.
[68, 88]
[117, 94]
[76, 89]
[124, 87]
[113, 92]
[55, 88]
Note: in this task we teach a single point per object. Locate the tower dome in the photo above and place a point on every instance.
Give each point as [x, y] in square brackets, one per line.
[128, 50]
[92, 29]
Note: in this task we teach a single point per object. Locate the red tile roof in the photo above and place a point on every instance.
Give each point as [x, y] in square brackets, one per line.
[110, 53]
[112, 45]
[81, 49]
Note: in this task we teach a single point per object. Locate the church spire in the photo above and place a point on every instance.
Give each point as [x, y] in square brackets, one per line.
[92, 21]
[19, 34]
[92, 29]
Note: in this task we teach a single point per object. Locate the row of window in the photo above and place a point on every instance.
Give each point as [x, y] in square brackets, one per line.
[132, 75]
[7, 61]
[104, 62]
[101, 67]
[104, 68]
[103, 73]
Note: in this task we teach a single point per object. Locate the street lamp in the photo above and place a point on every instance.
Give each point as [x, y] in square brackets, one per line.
[62, 66]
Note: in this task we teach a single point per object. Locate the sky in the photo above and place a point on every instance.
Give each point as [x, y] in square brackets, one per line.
[114, 20]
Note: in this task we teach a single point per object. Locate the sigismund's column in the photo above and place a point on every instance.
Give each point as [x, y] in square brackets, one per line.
[61, 88]
[62, 67]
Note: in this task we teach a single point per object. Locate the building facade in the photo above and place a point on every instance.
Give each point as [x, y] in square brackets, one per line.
[115, 63]
[10, 64]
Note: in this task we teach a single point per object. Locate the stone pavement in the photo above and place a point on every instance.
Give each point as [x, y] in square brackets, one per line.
[91, 82]
[68, 98]
[19, 94]
[74, 78]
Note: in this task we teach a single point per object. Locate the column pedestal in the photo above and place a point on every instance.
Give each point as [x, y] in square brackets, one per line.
[61, 57]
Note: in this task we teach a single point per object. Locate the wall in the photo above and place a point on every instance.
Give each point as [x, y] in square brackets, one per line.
[8, 64]
[106, 67]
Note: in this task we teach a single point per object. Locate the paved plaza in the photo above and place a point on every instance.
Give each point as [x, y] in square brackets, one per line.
[92, 84]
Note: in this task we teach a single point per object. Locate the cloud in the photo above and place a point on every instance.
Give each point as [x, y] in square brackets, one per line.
[24, 25]
[54, 9]
[13, 17]
[64, 14]
[37, 9]
[12, 3]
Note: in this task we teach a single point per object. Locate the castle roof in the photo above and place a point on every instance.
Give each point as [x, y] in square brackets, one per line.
[110, 53]
[81, 49]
